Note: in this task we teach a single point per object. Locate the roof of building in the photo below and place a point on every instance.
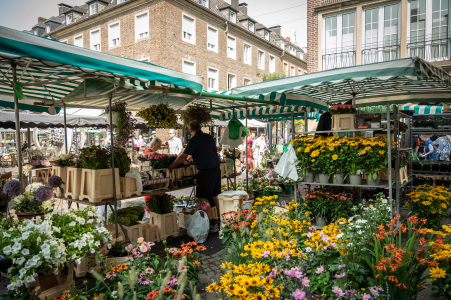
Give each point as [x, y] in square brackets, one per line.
[216, 6]
[55, 20]
[39, 24]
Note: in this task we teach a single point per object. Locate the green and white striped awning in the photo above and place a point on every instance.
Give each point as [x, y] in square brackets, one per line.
[409, 80]
[53, 72]
[422, 109]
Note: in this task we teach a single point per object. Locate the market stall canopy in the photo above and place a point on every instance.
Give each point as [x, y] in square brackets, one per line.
[7, 121]
[52, 71]
[253, 123]
[400, 81]
[417, 109]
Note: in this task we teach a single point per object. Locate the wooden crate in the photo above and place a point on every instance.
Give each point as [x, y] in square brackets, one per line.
[50, 286]
[343, 122]
[87, 264]
[97, 185]
[223, 167]
[151, 232]
[73, 183]
[112, 228]
[166, 223]
[134, 232]
[129, 187]
[61, 172]
[403, 177]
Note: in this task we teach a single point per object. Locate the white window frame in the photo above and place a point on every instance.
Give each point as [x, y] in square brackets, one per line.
[96, 5]
[266, 35]
[47, 28]
[216, 39]
[110, 41]
[193, 34]
[234, 52]
[292, 70]
[137, 37]
[248, 79]
[251, 26]
[82, 40]
[259, 65]
[90, 39]
[229, 88]
[207, 3]
[216, 85]
[286, 71]
[273, 68]
[71, 19]
[232, 13]
[191, 62]
[247, 60]
[64, 41]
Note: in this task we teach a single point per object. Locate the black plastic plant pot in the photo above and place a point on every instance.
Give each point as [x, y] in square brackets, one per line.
[417, 167]
[443, 167]
[257, 193]
[436, 167]
[5, 263]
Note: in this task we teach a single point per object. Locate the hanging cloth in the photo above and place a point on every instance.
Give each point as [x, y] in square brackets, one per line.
[233, 133]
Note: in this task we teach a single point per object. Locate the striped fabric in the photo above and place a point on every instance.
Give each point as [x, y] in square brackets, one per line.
[400, 81]
[423, 109]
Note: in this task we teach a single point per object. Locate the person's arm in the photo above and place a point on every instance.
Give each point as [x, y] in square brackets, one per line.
[180, 159]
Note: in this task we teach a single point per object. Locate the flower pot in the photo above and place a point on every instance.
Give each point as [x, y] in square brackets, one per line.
[150, 232]
[87, 264]
[355, 179]
[338, 178]
[257, 194]
[289, 189]
[373, 181]
[266, 193]
[73, 183]
[61, 172]
[50, 285]
[166, 223]
[29, 215]
[320, 221]
[309, 177]
[97, 185]
[129, 187]
[323, 178]
[114, 119]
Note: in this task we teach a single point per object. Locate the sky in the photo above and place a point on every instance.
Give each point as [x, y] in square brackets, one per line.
[290, 14]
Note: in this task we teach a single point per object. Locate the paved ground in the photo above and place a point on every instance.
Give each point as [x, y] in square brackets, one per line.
[212, 272]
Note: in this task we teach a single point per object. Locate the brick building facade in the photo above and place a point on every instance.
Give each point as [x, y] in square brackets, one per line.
[211, 38]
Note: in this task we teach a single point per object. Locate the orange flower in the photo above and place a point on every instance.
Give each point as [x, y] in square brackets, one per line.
[196, 263]
[152, 295]
[167, 290]
[423, 241]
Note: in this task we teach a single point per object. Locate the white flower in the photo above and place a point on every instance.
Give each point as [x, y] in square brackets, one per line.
[25, 251]
[360, 232]
[20, 261]
[7, 250]
[72, 223]
[5, 234]
[384, 201]
[16, 248]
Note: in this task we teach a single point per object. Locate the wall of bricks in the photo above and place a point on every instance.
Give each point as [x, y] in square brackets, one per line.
[165, 46]
[312, 36]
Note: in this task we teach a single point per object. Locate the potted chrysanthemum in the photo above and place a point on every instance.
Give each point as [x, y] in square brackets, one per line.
[34, 201]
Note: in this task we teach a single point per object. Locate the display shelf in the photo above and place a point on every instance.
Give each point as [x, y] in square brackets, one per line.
[428, 174]
[381, 186]
[341, 131]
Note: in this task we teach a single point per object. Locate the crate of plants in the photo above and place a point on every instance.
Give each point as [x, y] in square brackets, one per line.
[159, 208]
[129, 217]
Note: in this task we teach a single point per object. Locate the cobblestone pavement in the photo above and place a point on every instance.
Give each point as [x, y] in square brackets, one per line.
[211, 267]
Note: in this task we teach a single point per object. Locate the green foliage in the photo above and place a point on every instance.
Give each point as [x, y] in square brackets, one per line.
[122, 161]
[128, 216]
[160, 204]
[95, 158]
[266, 77]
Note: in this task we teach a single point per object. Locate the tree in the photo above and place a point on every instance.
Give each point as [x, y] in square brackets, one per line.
[266, 77]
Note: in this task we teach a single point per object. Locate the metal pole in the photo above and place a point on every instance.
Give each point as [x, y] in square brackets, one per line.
[65, 128]
[17, 119]
[293, 134]
[211, 109]
[112, 166]
[306, 122]
[396, 135]
[390, 184]
[233, 113]
[277, 132]
[247, 170]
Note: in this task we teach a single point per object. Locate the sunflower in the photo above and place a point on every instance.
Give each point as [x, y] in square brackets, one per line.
[334, 157]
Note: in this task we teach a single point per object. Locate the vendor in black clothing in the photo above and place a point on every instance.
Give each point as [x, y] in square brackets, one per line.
[202, 148]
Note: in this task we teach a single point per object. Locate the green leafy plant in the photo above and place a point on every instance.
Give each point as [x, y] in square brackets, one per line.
[94, 158]
[128, 216]
[122, 161]
[160, 204]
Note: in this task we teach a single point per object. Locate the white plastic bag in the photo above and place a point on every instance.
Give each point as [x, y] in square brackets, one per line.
[287, 164]
[198, 226]
[134, 173]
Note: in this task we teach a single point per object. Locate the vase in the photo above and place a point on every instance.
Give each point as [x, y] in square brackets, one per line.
[373, 180]
[114, 119]
[29, 215]
[338, 178]
[355, 179]
[323, 178]
[309, 177]
[320, 222]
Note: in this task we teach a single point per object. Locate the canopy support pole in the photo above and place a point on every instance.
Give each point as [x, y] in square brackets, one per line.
[306, 122]
[211, 109]
[390, 183]
[247, 169]
[277, 132]
[16, 115]
[65, 129]
[234, 175]
[293, 134]
[112, 166]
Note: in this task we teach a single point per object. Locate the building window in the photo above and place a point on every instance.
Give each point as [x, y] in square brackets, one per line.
[247, 81]
[78, 40]
[95, 39]
[339, 41]
[261, 59]
[231, 81]
[272, 64]
[282, 44]
[285, 69]
[47, 28]
[299, 71]
[205, 3]
[93, 8]
[247, 54]
[114, 34]
[232, 16]
[381, 34]
[428, 34]
[251, 26]
[189, 67]
[293, 71]
[266, 35]
[231, 47]
[189, 29]
[212, 39]
[68, 19]
[212, 78]
[141, 26]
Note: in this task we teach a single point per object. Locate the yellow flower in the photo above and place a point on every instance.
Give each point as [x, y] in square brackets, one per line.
[334, 157]
[426, 203]
[437, 273]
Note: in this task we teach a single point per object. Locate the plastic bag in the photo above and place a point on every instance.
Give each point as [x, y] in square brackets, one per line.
[287, 164]
[198, 226]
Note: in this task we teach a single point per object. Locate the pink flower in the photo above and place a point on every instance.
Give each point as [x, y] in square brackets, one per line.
[340, 275]
[266, 253]
[143, 248]
[338, 291]
[341, 266]
[305, 282]
[140, 240]
[298, 294]
[129, 247]
[319, 270]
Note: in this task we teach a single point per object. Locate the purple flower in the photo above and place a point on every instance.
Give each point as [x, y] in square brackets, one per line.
[298, 294]
[366, 297]
[305, 282]
[55, 181]
[341, 266]
[374, 291]
[13, 188]
[319, 270]
[272, 274]
[340, 275]
[338, 291]
[266, 253]
[43, 193]
[350, 293]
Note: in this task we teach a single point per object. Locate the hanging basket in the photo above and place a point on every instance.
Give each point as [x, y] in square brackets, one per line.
[159, 116]
[196, 112]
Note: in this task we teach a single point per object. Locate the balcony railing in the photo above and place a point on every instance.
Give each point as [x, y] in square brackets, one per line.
[430, 48]
[380, 53]
[338, 60]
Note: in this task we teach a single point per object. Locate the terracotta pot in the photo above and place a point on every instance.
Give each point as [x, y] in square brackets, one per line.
[29, 215]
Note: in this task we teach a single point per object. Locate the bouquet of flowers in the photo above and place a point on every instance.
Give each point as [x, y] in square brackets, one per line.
[36, 198]
[63, 160]
[340, 109]
[161, 161]
[95, 158]
[159, 116]
[198, 112]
